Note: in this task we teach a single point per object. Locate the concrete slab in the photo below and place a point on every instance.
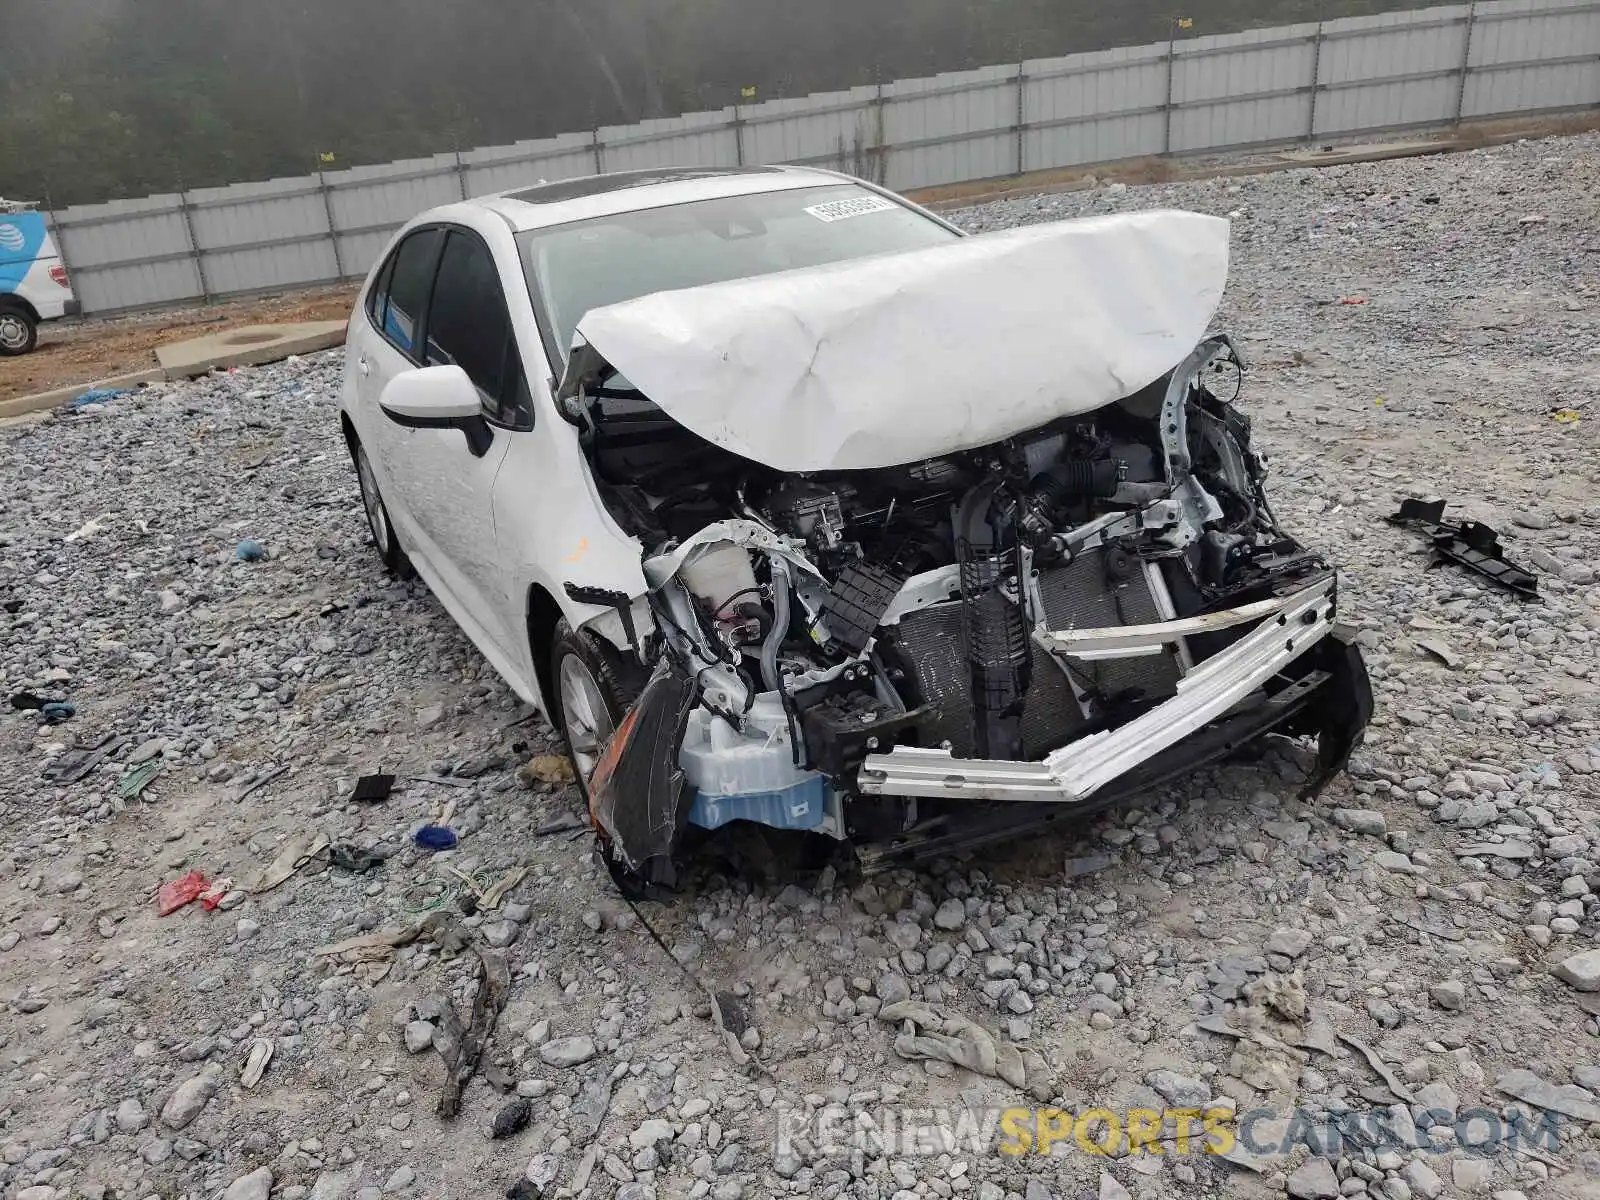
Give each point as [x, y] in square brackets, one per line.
[248, 345]
[1371, 152]
[16, 406]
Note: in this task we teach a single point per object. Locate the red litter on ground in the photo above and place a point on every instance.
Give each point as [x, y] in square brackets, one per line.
[186, 890]
[1352, 299]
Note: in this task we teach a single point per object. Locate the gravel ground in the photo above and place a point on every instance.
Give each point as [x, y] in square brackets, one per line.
[1412, 947]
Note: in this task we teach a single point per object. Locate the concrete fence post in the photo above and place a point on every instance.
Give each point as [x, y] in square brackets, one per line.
[599, 154]
[738, 137]
[333, 228]
[461, 176]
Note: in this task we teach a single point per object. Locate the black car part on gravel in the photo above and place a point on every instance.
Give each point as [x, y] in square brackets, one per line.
[1470, 544]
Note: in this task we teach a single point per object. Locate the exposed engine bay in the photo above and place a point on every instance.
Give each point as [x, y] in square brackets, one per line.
[898, 655]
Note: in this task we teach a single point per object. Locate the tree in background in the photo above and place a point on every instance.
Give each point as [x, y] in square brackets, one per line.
[111, 98]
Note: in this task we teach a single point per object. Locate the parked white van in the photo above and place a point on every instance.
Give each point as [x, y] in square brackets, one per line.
[33, 281]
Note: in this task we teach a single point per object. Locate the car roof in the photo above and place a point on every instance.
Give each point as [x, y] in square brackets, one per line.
[628, 191]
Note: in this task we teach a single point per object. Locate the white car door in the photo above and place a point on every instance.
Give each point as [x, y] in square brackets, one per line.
[441, 485]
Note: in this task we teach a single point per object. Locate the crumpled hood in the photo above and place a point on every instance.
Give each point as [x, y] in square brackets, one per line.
[886, 360]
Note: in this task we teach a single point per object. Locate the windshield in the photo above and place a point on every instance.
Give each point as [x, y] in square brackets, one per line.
[589, 264]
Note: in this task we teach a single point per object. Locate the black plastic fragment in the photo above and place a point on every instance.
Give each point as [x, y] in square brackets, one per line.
[607, 598]
[370, 789]
[513, 1118]
[352, 858]
[860, 597]
[1470, 544]
[75, 764]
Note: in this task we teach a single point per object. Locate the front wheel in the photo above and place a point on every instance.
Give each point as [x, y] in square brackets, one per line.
[594, 686]
[19, 332]
[378, 524]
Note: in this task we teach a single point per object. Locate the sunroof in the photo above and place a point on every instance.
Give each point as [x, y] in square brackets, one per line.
[599, 185]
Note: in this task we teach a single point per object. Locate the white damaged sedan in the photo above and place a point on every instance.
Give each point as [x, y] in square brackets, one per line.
[787, 503]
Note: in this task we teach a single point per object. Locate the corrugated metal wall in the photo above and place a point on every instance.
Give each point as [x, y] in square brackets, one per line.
[1266, 87]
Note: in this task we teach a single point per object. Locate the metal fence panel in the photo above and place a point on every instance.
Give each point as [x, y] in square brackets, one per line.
[951, 127]
[148, 234]
[367, 204]
[1263, 87]
[823, 129]
[1243, 89]
[501, 168]
[703, 139]
[253, 236]
[1094, 107]
[1525, 60]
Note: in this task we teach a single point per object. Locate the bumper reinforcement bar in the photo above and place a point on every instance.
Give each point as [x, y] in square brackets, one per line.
[1293, 625]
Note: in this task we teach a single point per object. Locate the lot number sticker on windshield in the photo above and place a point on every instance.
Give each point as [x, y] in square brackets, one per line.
[840, 210]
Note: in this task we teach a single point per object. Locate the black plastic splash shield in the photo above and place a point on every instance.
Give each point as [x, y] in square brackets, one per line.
[638, 793]
[1470, 544]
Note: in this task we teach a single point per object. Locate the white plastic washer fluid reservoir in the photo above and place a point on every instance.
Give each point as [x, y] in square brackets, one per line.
[719, 575]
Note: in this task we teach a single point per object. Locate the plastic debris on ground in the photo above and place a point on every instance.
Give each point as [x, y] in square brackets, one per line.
[372, 789]
[57, 711]
[99, 396]
[136, 779]
[75, 764]
[88, 528]
[255, 1064]
[354, 859]
[294, 856]
[27, 702]
[249, 550]
[435, 837]
[1469, 544]
[512, 1119]
[187, 889]
[487, 898]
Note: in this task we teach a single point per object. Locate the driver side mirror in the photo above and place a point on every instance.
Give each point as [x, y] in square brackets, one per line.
[438, 398]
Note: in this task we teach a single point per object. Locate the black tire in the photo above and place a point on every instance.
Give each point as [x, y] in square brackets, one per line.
[616, 682]
[384, 538]
[19, 332]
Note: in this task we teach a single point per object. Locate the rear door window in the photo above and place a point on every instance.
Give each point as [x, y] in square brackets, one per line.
[399, 314]
[469, 326]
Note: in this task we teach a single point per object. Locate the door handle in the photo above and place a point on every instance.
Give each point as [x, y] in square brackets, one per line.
[363, 365]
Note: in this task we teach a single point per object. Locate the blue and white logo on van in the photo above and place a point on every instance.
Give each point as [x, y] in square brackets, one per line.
[22, 238]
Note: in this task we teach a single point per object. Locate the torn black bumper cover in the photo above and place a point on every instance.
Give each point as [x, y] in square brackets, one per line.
[638, 796]
[1470, 544]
